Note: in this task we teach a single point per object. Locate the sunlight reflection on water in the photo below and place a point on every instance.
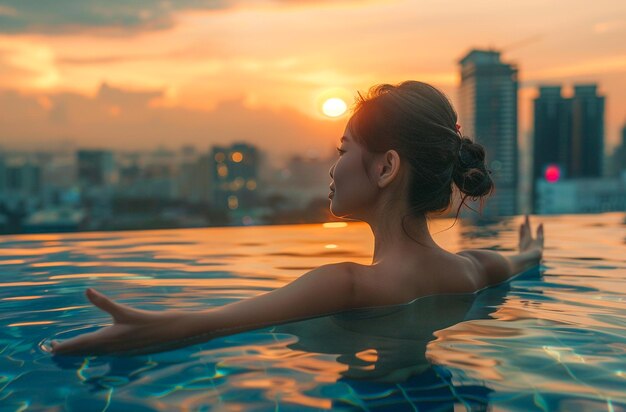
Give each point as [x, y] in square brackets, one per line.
[553, 340]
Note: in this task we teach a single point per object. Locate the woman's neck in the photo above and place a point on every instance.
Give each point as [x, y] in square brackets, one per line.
[391, 242]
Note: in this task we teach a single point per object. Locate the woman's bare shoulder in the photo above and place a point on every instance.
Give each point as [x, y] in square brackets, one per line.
[490, 266]
[401, 282]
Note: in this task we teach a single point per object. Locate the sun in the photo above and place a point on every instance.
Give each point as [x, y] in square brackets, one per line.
[330, 103]
[334, 107]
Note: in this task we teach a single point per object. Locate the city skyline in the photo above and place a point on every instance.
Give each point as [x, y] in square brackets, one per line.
[256, 71]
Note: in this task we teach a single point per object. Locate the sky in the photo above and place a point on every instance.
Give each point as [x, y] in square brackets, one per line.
[136, 75]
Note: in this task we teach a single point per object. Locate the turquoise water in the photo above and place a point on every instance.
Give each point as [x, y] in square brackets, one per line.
[552, 338]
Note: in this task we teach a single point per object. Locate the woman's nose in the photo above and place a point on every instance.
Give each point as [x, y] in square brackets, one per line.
[331, 171]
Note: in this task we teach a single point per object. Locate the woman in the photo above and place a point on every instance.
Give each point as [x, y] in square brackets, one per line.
[400, 157]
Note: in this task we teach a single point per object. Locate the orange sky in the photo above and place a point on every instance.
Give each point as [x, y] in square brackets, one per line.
[172, 74]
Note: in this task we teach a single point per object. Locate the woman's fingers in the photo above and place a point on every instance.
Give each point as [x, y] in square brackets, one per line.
[83, 342]
[526, 225]
[76, 344]
[524, 229]
[104, 303]
[126, 321]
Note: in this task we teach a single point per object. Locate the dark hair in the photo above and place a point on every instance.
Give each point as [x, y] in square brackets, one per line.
[419, 122]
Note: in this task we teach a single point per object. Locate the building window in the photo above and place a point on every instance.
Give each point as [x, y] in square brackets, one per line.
[233, 202]
[236, 157]
[222, 170]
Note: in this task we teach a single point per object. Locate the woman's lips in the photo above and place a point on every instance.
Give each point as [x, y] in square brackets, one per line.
[331, 194]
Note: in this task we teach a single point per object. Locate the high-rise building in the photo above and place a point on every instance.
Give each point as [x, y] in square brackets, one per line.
[552, 136]
[587, 132]
[488, 114]
[235, 176]
[21, 186]
[196, 179]
[23, 178]
[96, 168]
[568, 135]
[3, 179]
[619, 156]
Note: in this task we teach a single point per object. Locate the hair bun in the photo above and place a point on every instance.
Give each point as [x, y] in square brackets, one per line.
[470, 173]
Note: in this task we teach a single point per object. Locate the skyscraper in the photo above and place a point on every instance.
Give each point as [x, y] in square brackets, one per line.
[619, 156]
[552, 136]
[3, 183]
[96, 176]
[568, 135]
[96, 168]
[235, 175]
[587, 132]
[488, 114]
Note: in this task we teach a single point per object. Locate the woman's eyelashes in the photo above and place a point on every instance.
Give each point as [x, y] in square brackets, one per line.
[340, 151]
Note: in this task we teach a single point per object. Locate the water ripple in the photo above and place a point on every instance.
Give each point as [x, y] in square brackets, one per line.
[552, 339]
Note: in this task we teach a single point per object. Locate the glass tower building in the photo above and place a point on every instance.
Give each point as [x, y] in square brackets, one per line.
[568, 135]
[488, 115]
[587, 132]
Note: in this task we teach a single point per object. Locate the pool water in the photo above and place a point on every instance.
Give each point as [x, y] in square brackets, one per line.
[552, 338]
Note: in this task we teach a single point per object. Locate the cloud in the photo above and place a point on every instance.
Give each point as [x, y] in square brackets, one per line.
[110, 59]
[107, 17]
[127, 120]
[118, 17]
[606, 65]
[609, 26]
[26, 64]
[7, 10]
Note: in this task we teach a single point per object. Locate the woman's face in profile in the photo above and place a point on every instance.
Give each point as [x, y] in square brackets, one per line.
[353, 191]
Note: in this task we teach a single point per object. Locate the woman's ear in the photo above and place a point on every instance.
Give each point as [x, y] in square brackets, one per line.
[387, 168]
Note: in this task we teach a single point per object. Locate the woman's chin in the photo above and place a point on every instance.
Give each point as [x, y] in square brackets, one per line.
[336, 212]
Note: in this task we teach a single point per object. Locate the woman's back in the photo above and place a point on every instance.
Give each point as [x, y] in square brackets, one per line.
[410, 277]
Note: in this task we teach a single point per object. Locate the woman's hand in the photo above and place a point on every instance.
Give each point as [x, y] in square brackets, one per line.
[133, 330]
[526, 241]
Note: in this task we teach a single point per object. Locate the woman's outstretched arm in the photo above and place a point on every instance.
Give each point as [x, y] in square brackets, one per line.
[496, 267]
[324, 290]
